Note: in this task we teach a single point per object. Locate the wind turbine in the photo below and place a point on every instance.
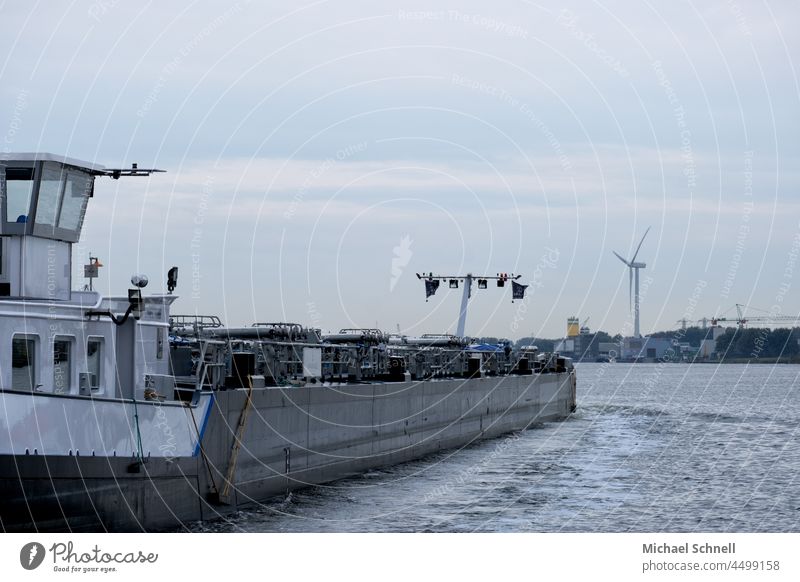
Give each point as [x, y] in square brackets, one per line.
[633, 273]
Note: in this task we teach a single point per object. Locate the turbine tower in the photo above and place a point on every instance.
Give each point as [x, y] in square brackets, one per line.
[633, 288]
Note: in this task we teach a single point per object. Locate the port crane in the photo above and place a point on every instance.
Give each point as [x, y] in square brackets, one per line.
[742, 319]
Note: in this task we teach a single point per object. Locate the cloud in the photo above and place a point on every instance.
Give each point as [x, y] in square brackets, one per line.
[483, 132]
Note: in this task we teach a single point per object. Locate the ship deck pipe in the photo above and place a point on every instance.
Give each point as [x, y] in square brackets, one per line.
[243, 332]
[347, 337]
[431, 342]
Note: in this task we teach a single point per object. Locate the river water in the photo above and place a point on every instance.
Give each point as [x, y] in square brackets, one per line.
[651, 448]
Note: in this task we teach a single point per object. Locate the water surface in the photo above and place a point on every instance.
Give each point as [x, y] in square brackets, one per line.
[662, 448]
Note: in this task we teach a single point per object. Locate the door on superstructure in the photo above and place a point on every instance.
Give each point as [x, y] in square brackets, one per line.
[23, 362]
[124, 351]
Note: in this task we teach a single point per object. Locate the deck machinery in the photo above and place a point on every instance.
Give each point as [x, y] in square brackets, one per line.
[289, 354]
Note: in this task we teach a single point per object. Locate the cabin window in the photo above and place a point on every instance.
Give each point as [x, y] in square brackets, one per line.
[62, 365]
[94, 362]
[23, 363]
[50, 189]
[19, 189]
[76, 193]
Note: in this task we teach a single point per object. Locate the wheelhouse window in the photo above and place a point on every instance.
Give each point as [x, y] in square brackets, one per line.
[94, 362]
[19, 190]
[62, 365]
[76, 193]
[44, 198]
[50, 189]
[23, 363]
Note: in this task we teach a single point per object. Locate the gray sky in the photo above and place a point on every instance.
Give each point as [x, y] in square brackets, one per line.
[320, 154]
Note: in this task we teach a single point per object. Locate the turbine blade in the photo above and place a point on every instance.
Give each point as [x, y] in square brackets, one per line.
[633, 260]
[620, 258]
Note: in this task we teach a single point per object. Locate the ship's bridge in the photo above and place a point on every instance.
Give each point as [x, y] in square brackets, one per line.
[43, 200]
[45, 195]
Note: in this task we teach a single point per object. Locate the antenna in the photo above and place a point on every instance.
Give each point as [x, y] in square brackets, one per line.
[133, 171]
[92, 270]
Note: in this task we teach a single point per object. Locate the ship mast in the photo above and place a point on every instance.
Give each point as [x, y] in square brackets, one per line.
[432, 284]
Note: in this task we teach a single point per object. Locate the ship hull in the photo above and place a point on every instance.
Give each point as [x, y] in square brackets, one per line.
[293, 438]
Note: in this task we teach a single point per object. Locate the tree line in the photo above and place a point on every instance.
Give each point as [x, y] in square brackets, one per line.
[758, 343]
[735, 343]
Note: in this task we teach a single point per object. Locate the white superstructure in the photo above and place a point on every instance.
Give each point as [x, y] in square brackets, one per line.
[77, 375]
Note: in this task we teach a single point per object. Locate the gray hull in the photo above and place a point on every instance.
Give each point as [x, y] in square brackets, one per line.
[293, 438]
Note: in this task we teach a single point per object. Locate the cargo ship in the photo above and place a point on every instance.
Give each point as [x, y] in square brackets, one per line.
[118, 415]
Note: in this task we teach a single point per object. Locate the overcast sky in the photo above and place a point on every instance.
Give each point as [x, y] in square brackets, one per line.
[320, 154]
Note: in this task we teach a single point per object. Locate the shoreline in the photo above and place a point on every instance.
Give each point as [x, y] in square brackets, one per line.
[773, 361]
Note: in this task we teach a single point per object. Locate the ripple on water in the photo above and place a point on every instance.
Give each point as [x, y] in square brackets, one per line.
[667, 449]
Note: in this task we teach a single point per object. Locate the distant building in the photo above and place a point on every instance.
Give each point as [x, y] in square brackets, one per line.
[608, 350]
[647, 348]
[580, 343]
[566, 347]
[587, 348]
[708, 347]
[573, 327]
